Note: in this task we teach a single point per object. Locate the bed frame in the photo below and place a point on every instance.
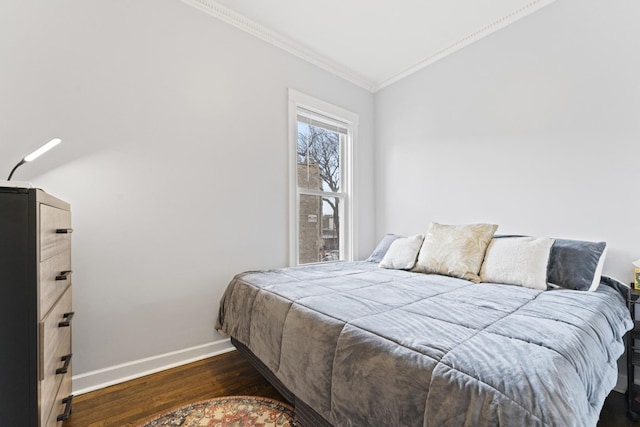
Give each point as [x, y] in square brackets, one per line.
[305, 415]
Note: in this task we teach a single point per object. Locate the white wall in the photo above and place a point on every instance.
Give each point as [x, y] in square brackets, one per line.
[174, 159]
[535, 128]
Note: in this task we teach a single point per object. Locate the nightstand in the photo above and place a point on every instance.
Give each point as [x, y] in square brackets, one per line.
[633, 353]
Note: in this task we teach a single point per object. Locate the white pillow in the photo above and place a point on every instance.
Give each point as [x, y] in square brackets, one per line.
[402, 253]
[518, 261]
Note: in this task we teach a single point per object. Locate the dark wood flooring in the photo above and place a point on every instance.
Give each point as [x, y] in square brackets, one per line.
[614, 412]
[137, 400]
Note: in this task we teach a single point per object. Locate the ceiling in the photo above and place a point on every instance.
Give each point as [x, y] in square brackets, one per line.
[371, 43]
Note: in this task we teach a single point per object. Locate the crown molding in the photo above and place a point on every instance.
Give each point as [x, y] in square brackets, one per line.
[242, 22]
[231, 17]
[467, 40]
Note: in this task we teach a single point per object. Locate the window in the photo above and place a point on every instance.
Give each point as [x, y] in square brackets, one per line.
[322, 138]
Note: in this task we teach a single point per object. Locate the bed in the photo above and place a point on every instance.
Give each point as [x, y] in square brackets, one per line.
[354, 344]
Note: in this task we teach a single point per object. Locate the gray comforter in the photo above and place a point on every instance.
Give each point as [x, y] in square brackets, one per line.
[367, 346]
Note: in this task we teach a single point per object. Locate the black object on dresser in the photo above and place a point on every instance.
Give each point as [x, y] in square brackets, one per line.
[633, 355]
[35, 308]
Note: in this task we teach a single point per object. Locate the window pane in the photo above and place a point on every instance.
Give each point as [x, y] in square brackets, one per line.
[318, 158]
[331, 228]
[318, 229]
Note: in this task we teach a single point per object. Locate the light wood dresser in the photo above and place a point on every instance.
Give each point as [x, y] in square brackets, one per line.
[35, 308]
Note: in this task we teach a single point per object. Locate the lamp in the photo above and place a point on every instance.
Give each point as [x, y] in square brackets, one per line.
[32, 156]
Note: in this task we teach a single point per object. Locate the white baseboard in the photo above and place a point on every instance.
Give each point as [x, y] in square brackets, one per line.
[112, 375]
[105, 377]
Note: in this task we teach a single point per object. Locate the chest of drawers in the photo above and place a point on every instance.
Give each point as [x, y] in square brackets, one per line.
[35, 308]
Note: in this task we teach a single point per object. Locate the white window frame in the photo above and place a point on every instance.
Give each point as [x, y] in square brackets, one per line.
[348, 233]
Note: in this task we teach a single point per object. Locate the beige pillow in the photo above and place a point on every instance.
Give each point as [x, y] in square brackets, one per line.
[518, 261]
[402, 253]
[455, 250]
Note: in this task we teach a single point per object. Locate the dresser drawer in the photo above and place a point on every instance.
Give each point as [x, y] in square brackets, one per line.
[55, 276]
[60, 403]
[55, 231]
[55, 352]
[35, 248]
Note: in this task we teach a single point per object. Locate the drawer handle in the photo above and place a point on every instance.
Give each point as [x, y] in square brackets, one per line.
[66, 323]
[63, 275]
[67, 360]
[67, 409]
[64, 230]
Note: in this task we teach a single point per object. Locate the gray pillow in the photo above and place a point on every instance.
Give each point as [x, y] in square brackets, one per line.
[576, 264]
[382, 248]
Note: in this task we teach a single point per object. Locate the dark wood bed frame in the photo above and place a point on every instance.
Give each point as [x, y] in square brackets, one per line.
[305, 415]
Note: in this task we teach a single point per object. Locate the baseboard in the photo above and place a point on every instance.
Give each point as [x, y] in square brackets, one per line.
[112, 375]
[106, 377]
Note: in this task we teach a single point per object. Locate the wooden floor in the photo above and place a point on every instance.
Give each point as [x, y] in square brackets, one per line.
[614, 412]
[229, 374]
[129, 403]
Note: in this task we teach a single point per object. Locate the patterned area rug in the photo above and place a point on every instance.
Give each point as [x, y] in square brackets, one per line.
[233, 411]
